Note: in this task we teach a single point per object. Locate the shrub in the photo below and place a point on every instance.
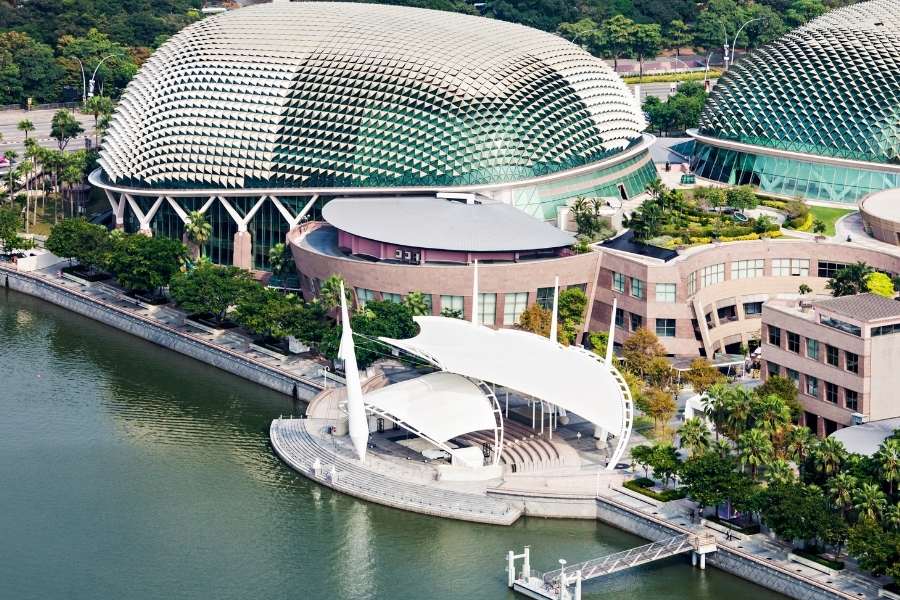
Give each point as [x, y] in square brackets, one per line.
[665, 496]
[837, 565]
[645, 482]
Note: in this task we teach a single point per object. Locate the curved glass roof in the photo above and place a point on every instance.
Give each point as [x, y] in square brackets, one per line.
[831, 88]
[309, 94]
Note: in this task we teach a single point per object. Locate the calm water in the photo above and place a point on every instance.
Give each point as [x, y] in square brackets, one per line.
[128, 472]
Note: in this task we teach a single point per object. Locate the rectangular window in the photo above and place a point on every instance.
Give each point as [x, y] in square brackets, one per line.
[428, 303]
[794, 376]
[812, 348]
[618, 282]
[637, 321]
[712, 275]
[794, 267]
[752, 309]
[692, 284]
[831, 355]
[812, 386]
[851, 362]
[775, 336]
[452, 304]
[840, 325]
[513, 306]
[637, 288]
[620, 318]
[363, 295]
[665, 292]
[831, 392]
[829, 269]
[773, 369]
[886, 330]
[389, 297]
[545, 297]
[487, 309]
[665, 327]
[793, 342]
[747, 269]
[727, 314]
[851, 400]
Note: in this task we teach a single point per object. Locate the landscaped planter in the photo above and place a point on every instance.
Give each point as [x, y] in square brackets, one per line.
[84, 277]
[724, 529]
[806, 562]
[207, 324]
[275, 348]
[148, 302]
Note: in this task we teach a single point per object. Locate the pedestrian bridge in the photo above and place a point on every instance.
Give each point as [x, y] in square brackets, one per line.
[554, 585]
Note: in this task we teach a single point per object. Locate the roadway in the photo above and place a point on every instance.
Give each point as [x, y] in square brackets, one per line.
[13, 139]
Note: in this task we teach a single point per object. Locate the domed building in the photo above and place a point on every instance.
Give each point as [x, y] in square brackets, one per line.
[260, 116]
[815, 114]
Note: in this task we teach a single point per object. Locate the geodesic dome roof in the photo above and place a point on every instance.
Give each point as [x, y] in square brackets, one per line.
[831, 88]
[311, 94]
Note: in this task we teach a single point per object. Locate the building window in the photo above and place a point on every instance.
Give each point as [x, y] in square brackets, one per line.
[665, 292]
[545, 297]
[637, 321]
[775, 336]
[618, 282]
[363, 295]
[829, 269]
[851, 400]
[665, 327]
[773, 369]
[840, 325]
[389, 297]
[793, 342]
[712, 275]
[727, 313]
[831, 355]
[812, 348]
[452, 303]
[637, 288]
[428, 302]
[620, 318]
[793, 267]
[851, 362]
[831, 392]
[692, 284]
[794, 376]
[812, 386]
[752, 308]
[513, 306]
[747, 269]
[487, 309]
[886, 330]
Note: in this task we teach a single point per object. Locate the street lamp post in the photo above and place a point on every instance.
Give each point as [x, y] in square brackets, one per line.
[90, 92]
[738, 34]
[83, 81]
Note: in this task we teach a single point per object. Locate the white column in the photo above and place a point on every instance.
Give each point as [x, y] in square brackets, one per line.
[510, 569]
[356, 411]
[475, 294]
[554, 315]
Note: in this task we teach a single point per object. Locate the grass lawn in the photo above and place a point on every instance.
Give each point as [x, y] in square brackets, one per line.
[829, 215]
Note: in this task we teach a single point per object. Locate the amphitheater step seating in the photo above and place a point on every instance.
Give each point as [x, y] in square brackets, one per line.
[525, 451]
[297, 447]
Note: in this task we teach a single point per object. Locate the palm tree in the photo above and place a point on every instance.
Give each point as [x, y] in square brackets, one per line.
[800, 444]
[722, 447]
[330, 292]
[98, 106]
[197, 230]
[888, 457]
[841, 489]
[26, 126]
[829, 456]
[416, 303]
[11, 156]
[755, 449]
[869, 501]
[694, 435]
[72, 175]
[891, 517]
[780, 472]
[740, 406]
[717, 406]
[850, 280]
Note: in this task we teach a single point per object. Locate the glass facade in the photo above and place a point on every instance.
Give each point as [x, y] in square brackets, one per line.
[665, 327]
[452, 303]
[790, 177]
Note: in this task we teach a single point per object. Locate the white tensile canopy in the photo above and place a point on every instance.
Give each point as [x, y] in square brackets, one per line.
[570, 378]
[441, 406]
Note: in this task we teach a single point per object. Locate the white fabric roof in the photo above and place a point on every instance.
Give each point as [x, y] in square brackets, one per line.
[866, 438]
[440, 405]
[564, 376]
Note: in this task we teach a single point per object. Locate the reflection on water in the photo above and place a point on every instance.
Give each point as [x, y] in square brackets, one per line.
[129, 472]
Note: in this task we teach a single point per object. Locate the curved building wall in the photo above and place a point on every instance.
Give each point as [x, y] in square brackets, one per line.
[879, 220]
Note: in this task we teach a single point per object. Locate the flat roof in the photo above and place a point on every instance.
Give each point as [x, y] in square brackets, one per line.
[863, 307]
[626, 243]
[883, 205]
[441, 224]
[865, 438]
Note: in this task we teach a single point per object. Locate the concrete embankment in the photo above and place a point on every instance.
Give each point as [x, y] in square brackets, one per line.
[159, 333]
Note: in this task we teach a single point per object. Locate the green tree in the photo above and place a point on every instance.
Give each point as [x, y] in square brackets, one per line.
[647, 43]
[677, 36]
[876, 549]
[91, 48]
[98, 106]
[796, 511]
[25, 126]
[869, 501]
[380, 319]
[536, 319]
[742, 197]
[416, 303]
[64, 127]
[330, 292]
[709, 478]
[702, 375]
[211, 290]
[145, 264]
[694, 435]
[841, 490]
[9, 230]
[281, 261]
[659, 405]
[36, 73]
[267, 312]
[642, 455]
[572, 304]
[828, 456]
[755, 449]
[888, 459]
[197, 231]
[598, 341]
[665, 462]
[76, 239]
[617, 35]
[818, 226]
[880, 284]
[850, 280]
[641, 348]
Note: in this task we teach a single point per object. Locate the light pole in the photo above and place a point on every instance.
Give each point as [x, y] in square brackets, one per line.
[725, 46]
[83, 81]
[738, 34]
[94, 74]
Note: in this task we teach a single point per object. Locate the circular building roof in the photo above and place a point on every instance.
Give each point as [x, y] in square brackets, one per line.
[882, 205]
[829, 88]
[310, 94]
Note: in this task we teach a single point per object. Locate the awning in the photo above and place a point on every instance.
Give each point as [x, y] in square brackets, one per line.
[568, 377]
[441, 406]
